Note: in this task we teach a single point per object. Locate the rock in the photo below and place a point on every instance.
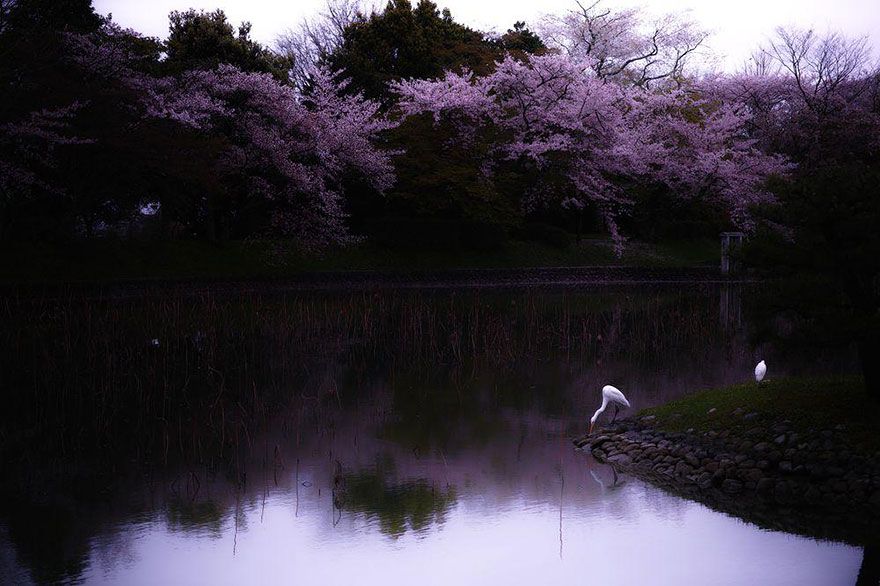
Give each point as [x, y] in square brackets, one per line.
[731, 486]
[812, 495]
[682, 469]
[764, 485]
[711, 411]
[874, 501]
[621, 459]
[834, 471]
[750, 416]
[753, 475]
[785, 466]
[762, 447]
[704, 480]
[782, 492]
[581, 442]
[780, 440]
[648, 418]
[738, 411]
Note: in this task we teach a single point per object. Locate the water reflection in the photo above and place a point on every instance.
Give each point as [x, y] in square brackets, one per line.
[370, 438]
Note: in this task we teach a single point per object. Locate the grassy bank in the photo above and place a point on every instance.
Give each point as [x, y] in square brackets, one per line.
[102, 260]
[810, 404]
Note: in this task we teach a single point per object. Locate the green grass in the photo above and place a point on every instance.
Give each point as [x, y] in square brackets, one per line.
[811, 404]
[103, 260]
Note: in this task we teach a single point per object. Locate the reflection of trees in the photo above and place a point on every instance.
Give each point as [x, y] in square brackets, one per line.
[412, 505]
[436, 417]
[50, 539]
[201, 516]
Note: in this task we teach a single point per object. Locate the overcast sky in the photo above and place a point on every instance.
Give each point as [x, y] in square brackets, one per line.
[736, 26]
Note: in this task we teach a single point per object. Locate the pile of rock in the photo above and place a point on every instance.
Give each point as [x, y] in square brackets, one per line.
[764, 461]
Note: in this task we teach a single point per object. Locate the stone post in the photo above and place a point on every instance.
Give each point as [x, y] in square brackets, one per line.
[731, 245]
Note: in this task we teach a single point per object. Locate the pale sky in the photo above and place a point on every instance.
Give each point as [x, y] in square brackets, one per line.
[736, 26]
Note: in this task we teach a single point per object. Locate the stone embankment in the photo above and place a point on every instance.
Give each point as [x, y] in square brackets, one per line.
[814, 483]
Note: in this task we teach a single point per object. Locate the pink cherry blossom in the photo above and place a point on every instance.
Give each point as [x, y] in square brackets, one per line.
[557, 112]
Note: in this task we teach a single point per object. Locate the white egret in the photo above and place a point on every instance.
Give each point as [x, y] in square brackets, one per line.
[760, 371]
[613, 396]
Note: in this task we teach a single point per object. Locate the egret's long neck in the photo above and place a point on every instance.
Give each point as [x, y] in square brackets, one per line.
[599, 410]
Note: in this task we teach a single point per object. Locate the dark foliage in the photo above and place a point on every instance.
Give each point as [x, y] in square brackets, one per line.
[203, 40]
[403, 42]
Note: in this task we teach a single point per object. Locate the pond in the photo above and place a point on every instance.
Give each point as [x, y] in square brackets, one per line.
[371, 437]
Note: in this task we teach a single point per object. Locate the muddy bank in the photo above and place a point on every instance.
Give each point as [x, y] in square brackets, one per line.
[815, 484]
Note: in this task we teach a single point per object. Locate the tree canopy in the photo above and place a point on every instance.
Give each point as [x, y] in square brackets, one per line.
[405, 41]
[204, 40]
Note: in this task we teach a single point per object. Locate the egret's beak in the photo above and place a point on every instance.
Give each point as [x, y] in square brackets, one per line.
[591, 429]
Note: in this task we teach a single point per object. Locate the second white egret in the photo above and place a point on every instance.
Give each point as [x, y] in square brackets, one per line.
[760, 371]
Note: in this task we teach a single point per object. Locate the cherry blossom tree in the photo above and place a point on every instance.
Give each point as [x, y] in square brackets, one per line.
[28, 148]
[558, 114]
[282, 151]
[285, 153]
[814, 97]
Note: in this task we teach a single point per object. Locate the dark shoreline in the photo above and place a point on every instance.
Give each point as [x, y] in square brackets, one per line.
[521, 278]
[819, 487]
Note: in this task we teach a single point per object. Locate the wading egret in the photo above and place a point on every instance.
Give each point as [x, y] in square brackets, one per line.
[613, 396]
[760, 371]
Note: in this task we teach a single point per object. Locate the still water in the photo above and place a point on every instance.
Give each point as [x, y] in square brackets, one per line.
[411, 438]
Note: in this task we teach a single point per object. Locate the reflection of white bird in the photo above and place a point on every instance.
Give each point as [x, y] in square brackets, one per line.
[760, 371]
[614, 483]
[597, 479]
[609, 395]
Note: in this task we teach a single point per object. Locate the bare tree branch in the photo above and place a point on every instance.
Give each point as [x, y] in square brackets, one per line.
[319, 36]
[623, 45]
